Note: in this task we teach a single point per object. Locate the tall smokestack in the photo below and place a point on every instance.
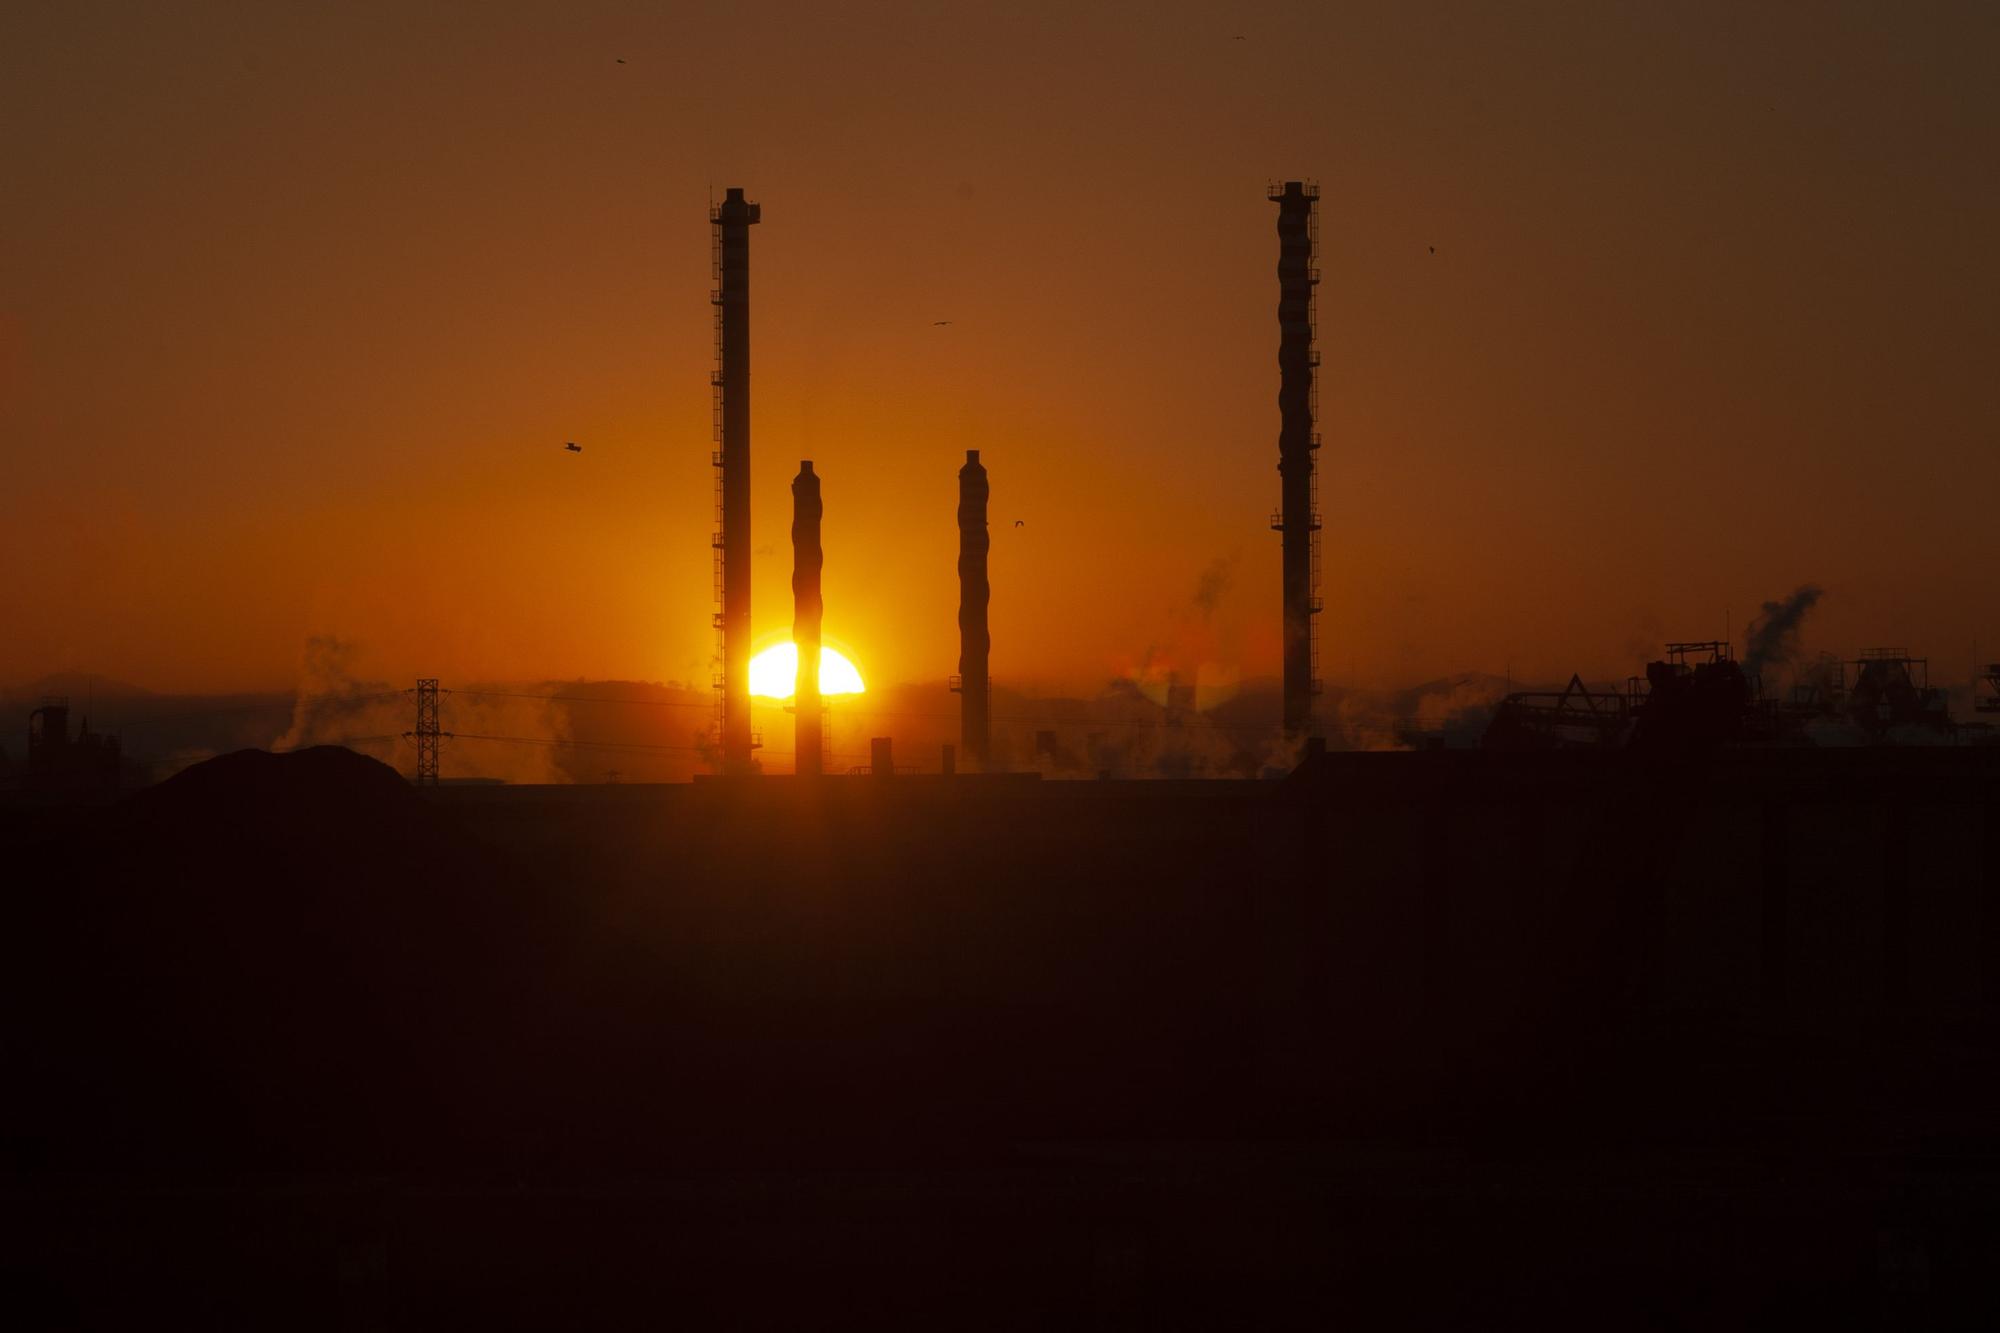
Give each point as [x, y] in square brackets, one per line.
[807, 608]
[1298, 404]
[975, 702]
[732, 220]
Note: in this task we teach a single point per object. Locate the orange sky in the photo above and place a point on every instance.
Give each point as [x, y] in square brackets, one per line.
[298, 306]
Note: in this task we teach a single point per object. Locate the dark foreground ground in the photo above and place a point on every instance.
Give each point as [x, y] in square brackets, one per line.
[1449, 1040]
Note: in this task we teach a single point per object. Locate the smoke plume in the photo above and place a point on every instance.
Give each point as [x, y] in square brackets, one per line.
[1449, 713]
[336, 705]
[1772, 639]
[1213, 585]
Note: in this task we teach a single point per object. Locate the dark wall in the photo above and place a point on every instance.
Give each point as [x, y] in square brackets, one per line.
[952, 965]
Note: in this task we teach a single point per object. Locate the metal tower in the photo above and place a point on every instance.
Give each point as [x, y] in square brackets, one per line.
[1298, 441]
[427, 735]
[732, 220]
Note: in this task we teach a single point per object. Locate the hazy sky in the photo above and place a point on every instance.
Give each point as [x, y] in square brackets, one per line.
[299, 302]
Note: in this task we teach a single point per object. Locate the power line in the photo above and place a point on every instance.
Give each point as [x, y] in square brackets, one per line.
[313, 701]
[592, 745]
[1187, 724]
[863, 711]
[626, 745]
[584, 699]
[344, 740]
[324, 702]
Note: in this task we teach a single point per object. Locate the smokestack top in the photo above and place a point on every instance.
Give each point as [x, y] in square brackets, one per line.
[735, 209]
[972, 455]
[805, 465]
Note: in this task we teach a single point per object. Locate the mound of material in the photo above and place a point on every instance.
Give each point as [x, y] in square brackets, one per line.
[323, 784]
[269, 954]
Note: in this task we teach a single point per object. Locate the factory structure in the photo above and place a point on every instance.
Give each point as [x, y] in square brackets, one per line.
[1699, 696]
[1296, 519]
[732, 220]
[974, 644]
[1696, 695]
[84, 764]
[808, 610]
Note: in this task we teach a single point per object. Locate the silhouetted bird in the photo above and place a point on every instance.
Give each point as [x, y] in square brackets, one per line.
[621, 62]
[573, 447]
[939, 323]
[1018, 523]
[1434, 249]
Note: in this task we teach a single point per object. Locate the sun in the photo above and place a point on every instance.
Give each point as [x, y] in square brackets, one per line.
[774, 671]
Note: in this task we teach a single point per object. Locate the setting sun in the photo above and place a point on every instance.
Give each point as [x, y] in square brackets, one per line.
[773, 671]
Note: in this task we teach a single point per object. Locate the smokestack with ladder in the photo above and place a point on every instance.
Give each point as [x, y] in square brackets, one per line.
[1298, 406]
[975, 701]
[807, 610]
[732, 220]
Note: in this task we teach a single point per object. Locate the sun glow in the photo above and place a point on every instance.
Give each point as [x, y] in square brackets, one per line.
[774, 671]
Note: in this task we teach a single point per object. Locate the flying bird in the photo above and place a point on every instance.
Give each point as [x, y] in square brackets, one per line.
[1018, 523]
[573, 447]
[621, 62]
[1434, 249]
[939, 323]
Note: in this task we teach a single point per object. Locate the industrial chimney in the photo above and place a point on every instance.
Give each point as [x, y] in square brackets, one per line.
[1298, 406]
[807, 608]
[975, 702]
[732, 220]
